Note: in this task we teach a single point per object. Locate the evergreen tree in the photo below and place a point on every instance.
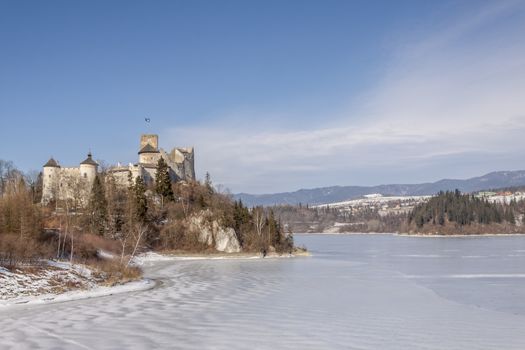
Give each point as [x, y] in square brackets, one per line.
[163, 182]
[275, 229]
[98, 207]
[242, 219]
[509, 216]
[116, 207]
[208, 183]
[140, 200]
[461, 209]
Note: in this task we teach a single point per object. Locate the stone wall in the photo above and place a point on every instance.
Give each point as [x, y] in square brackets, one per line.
[181, 161]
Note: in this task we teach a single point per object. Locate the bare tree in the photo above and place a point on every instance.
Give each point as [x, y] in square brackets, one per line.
[137, 234]
[33, 178]
[258, 219]
[6, 170]
[73, 191]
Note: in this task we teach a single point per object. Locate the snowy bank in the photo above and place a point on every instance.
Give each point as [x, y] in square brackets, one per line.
[151, 257]
[57, 282]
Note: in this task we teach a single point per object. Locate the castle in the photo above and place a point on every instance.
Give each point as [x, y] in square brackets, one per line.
[75, 182]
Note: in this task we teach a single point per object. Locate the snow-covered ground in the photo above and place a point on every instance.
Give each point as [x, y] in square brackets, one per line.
[150, 258]
[506, 198]
[377, 200]
[54, 282]
[50, 278]
[57, 281]
[374, 200]
[355, 292]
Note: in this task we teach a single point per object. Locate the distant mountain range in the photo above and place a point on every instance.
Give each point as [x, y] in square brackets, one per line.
[498, 179]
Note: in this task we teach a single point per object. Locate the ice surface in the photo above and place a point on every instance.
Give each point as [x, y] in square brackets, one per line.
[355, 292]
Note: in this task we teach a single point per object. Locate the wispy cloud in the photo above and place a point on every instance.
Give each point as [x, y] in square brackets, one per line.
[450, 104]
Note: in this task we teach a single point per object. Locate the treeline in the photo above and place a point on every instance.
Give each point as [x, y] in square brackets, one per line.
[462, 210]
[258, 228]
[303, 218]
[446, 213]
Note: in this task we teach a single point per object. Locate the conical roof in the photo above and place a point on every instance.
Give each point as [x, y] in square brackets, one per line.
[148, 149]
[51, 163]
[89, 160]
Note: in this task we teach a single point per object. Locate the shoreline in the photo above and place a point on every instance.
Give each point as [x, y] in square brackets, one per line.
[423, 235]
[181, 256]
[143, 284]
[79, 294]
[343, 233]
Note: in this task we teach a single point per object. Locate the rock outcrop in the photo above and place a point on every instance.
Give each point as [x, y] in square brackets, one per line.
[212, 233]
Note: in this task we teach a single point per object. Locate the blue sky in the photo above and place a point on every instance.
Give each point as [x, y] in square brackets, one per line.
[274, 95]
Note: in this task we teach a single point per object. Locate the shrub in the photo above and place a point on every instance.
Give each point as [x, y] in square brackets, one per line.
[114, 272]
[15, 250]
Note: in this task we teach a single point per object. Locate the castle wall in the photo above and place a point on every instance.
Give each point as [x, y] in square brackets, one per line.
[66, 183]
[50, 183]
[88, 172]
[121, 175]
[181, 162]
[149, 158]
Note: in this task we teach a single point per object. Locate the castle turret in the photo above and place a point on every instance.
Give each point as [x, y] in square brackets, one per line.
[50, 180]
[88, 169]
[149, 154]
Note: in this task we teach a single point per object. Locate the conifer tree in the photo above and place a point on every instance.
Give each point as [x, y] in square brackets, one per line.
[208, 183]
[141, 202]
[275, 230]
[116, 207]
[98, 206]
[163, 182]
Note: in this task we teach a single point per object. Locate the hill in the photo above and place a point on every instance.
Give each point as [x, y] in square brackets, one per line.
[333, 194]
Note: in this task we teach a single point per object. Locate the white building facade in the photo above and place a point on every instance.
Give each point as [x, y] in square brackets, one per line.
[72, 183]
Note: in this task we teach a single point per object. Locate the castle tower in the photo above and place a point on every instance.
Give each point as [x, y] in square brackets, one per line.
[151, 139]
[149, 151]
[88, 169]
[50, 180]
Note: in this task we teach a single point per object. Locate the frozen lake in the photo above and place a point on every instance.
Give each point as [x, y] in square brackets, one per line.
[355, 292]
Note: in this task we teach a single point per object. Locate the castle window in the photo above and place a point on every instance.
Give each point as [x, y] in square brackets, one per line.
[85, 175]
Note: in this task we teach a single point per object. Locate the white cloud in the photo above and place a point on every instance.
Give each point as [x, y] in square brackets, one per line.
[446, 101]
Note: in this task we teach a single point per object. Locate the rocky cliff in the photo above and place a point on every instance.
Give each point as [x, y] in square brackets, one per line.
[209, 231]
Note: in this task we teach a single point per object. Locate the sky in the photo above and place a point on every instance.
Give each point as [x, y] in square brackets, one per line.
[274, 95]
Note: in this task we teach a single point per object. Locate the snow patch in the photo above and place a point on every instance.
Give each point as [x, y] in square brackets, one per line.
[55, 281]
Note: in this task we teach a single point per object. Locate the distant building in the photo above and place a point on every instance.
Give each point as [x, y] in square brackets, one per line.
[75, 182]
